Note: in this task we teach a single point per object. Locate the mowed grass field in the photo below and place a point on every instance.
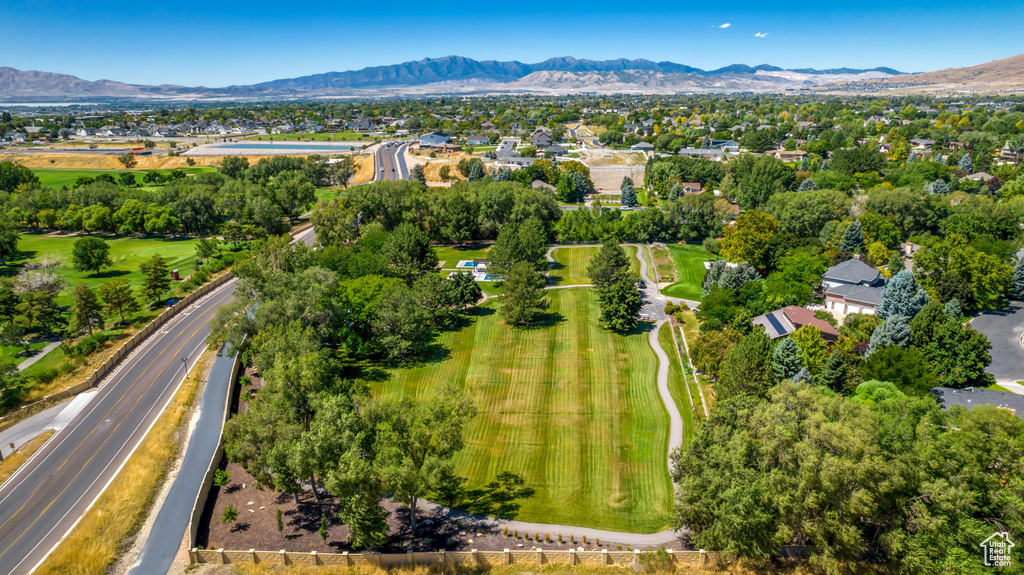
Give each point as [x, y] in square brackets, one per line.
[689, 260]
[126, 253]
[570, 267]
[450, 256]
[571, 407]
[59, 178]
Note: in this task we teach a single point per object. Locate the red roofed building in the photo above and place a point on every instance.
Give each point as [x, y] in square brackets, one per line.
[785, 321]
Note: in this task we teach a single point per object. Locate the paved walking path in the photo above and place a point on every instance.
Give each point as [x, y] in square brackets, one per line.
[40, 355]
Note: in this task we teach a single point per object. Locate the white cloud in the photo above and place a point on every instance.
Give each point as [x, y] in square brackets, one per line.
[761, 34]
[726, 25]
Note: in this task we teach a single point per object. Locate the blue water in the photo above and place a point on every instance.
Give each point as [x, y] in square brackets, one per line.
[269, 145]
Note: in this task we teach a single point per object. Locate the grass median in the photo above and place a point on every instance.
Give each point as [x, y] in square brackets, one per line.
[102, 534]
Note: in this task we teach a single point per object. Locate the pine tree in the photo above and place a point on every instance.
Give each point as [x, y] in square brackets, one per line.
[901, 296]
[675, 193]
[939, 187]
[157, 280]
[808, 185]
[628, 199]
[1017, 290]
[895, 263]
[892, 331]
[912, 157]
[502, 175]
[524, 296]
[835, 373]
[802, 376]
[853, 238]
[118, 297]
[86, 310]
[620, 304]
[417, 174]
[609, 265]
[626, 181]
[953, 310]
[786, 360]
[476, 172]
[966, 164]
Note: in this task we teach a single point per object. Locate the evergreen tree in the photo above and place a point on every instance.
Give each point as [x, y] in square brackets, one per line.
[895, 263]
[901, 296]
[893, 331]
[1017, 290]
[417, 174]
[524, 296]
[502, 175]
[966, 164]
[118, 297]
[626, 181]
[808, 185]
[476, 172]
[609, 265]
[939, 187]
[748, 368]
[786, 360]
[86, 310]
[802, 376]
[628, 198]
[912, 157]
[157, 280]
[853, 238]
[620, 303]
[835, 372]
[676, 192]
[952, 309]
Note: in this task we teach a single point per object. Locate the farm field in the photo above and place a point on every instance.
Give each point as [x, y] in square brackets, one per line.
[689, 261]
[59, 178]
[570, 267]
[572, 408]
[127, 253]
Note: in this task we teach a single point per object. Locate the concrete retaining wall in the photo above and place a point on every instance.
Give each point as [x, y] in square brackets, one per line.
[485, 558]
[127, 347]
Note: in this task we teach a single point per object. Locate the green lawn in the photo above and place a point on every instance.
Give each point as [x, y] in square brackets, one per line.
[689, 260]
[570, 267]
[326, 136]
[571, 407]
[13, 353]
[451, 256]
[127, 254]
[676, 381]
[60, 178]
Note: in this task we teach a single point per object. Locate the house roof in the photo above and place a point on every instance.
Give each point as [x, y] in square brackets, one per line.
[972, 397]
[782, 322]
[980, 176]
[858, 293]
[852, 271]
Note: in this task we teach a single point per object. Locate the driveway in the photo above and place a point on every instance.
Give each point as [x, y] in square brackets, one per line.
[1004, 328]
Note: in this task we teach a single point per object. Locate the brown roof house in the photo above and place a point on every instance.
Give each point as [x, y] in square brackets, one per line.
[785, 321]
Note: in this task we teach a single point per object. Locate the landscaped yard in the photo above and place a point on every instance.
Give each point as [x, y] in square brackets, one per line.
[571, 407]
[689, 260]
[450, 256]
[570, 267]
[127, 254]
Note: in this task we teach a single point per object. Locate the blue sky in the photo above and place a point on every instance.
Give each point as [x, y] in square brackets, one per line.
[221, 43]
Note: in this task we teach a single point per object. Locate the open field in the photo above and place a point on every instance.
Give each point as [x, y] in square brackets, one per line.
[571, 407]
[97, 540]
[127, 253]
[58, 178]
[570, 267]
[326, 136]
[108, 162]
[689, 263]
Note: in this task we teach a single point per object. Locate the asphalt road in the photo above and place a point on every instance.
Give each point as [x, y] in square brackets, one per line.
[389, 162]
[1004, 328]
[41, 503]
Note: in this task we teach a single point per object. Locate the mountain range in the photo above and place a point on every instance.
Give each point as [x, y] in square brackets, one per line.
[452, 75]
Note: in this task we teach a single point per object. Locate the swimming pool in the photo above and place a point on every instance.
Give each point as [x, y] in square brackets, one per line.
[283, 146]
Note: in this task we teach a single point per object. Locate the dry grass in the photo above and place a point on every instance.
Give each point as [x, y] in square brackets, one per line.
[432, 170]
[105, 162]
[607, 158]
[101, 535]
[365, 172]
[19, 457]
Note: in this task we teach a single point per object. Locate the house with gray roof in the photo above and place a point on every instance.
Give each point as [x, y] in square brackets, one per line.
[852, 287]
[972, 397]
[433, 139]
